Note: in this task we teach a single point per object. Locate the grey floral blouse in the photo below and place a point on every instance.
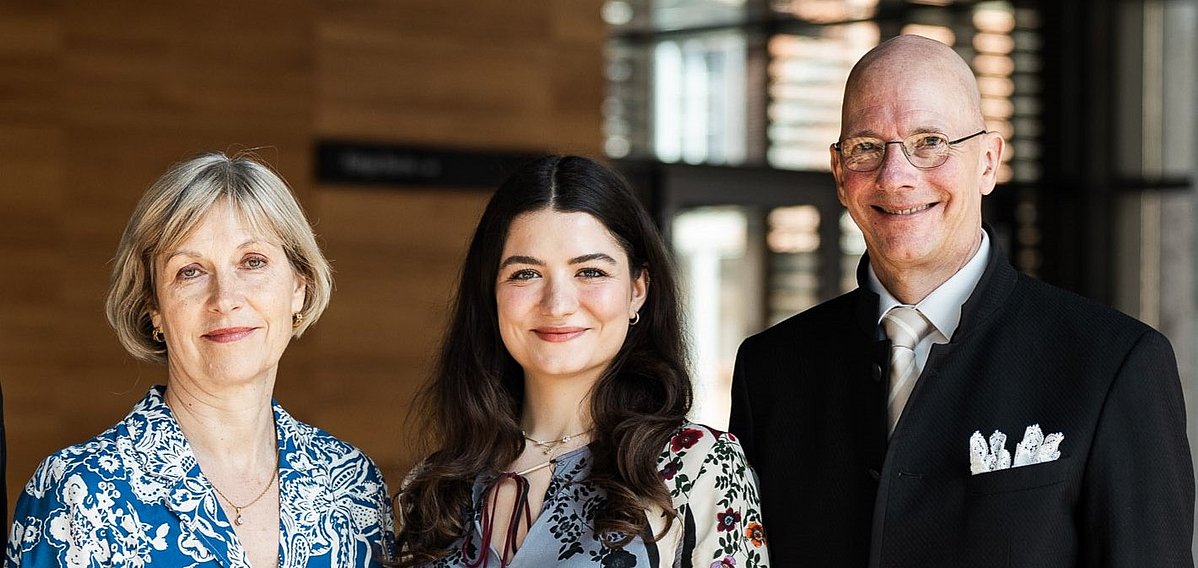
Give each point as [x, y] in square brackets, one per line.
[134, 496]
[714, 493]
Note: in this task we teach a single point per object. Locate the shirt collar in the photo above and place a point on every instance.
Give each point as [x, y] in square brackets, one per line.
[154, 445]
[943, 306]
[163, 451]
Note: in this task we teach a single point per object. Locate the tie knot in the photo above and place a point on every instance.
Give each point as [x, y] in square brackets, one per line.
[905, 326]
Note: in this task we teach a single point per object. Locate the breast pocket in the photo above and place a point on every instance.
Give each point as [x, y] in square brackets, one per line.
[1020, 517]
[1019, 478]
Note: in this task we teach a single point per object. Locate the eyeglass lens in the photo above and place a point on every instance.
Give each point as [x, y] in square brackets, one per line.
[923, 150]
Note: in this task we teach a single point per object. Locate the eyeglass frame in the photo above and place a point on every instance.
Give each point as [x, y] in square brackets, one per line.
[902, 143]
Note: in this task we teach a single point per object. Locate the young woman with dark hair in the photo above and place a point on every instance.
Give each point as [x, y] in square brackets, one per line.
[557, 409]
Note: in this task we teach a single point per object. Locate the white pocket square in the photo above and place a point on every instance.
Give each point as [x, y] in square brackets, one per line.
[1035, 448]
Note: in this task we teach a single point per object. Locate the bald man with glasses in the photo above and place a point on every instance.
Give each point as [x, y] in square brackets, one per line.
[952, 411]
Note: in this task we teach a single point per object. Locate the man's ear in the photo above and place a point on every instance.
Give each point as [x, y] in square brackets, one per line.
[837, 171]
[991, 161]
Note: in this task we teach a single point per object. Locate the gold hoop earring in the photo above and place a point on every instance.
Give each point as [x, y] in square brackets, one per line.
[157, 336]
[297, 319]
[635, 319]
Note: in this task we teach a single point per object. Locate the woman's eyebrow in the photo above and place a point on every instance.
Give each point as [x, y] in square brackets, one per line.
[520, 259]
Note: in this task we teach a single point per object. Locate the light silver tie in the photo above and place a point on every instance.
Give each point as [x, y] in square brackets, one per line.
[905, 326]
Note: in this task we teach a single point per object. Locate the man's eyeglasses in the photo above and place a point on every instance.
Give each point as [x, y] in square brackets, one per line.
[923, 150]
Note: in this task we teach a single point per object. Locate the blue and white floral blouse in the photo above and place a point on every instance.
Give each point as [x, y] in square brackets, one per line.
[135, 496]
[714, 494]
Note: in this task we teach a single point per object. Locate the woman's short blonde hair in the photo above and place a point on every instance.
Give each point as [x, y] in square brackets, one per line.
[171, 209]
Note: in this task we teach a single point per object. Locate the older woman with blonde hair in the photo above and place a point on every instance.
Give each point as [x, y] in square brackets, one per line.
[216, 272]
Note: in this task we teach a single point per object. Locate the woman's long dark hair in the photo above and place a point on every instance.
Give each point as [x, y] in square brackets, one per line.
[471, 407]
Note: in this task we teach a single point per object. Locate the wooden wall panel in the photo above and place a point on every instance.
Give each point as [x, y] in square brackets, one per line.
[31, 245]
[523, 74]
[96, 100]
[30, 53]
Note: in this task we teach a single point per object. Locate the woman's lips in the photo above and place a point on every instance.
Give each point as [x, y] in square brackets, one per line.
[558, 334]
[229, 334]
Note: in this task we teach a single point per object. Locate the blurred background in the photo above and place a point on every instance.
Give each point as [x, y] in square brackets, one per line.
[393, 120]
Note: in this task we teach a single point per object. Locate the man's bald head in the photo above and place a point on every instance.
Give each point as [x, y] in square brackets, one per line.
[921, 223]
[908, 59]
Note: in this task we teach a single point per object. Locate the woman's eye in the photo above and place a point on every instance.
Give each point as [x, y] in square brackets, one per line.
[189, 272]
[255, 262]
[525, 274]
[591, 273]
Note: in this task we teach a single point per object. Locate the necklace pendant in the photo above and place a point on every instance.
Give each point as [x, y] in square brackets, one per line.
[548, 451]
[238, 520]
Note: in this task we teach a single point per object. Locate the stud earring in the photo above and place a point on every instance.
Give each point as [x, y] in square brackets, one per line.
[297, 319]
[635, 319]
[157, 336]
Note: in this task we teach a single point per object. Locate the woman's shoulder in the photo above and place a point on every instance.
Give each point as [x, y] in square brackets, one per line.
[698, 451]
[694, 449]
[693, 441]
[78, 455]
[145, 435]
[315, 460]
[133, 427]
[300, 438]
[98, 457]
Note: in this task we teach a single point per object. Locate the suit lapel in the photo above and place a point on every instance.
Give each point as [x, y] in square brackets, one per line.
[991, 293]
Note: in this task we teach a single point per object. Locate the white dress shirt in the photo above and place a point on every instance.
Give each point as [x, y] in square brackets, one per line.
[943, 306]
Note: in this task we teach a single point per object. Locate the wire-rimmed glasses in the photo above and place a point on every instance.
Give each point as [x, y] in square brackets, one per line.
[924, 150]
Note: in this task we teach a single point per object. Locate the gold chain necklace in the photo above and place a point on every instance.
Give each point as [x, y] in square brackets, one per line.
[549, 446]
[238, 508]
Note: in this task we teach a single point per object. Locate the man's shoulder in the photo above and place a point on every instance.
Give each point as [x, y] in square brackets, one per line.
[825, 318]
[1052, 305]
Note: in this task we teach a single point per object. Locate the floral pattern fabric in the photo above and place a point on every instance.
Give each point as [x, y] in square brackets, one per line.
[714, 493]
[134, 496]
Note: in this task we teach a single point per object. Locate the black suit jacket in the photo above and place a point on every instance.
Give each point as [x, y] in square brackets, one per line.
[808, 404]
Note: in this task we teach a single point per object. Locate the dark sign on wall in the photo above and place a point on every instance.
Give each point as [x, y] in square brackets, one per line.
[355, 163]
